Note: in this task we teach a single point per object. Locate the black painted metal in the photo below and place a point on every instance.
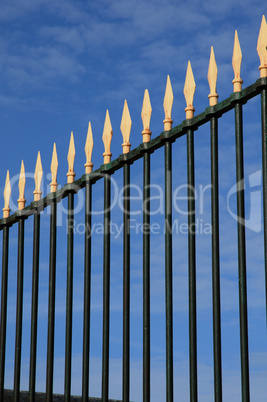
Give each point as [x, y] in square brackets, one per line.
[192, 267]
[3, 309]
[19, 309]
[264, 176]
[215, 260]
[146, 278]
[87, 291]
[137, 153]
[126, 284]
[69, 299]
[51, 302]
[34, 314]
[168, 272]
[106, 290]
[242, 254]
[187, 127]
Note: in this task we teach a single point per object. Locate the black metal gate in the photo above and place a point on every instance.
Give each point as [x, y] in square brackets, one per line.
[187, 128]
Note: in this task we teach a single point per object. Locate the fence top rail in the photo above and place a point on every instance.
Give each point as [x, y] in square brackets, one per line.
[169, 134]
[194, 123]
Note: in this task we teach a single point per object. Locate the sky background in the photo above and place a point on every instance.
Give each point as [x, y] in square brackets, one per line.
[62, 64]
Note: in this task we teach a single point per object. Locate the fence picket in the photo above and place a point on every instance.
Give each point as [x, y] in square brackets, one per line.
[170, 134]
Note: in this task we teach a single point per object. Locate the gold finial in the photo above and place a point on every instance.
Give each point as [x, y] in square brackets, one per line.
[7, 193]
[167, 105]
[262, 47]
[71, 157]
[107, 135]
[212, 78]
[189, 91]
[236, 62]
[89, 143]
[21, 200]
[38, 178]
[146, 116]
[126, 125]
[53, 169]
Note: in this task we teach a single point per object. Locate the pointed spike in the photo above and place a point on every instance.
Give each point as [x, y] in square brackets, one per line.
[71, 157]
[7, 193]
[236, 62]
[146, 110]
[107, 135]
[237, 56]
[22, 181]
[89, 144]
[126, 125]
[21, 200]
[189, 91]
[38, 178]
[167, 105]
[53, 169]
[262, 47]
[212, 78]
[146, 116]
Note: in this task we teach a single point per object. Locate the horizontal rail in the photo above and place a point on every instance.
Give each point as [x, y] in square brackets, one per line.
[212, 111]
[40, 397]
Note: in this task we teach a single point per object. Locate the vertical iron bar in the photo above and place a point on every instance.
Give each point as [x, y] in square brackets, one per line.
[126, 283]
[146, 278]
[87, 291]
[215, 260]
[69, 298]
[51, 302]
[3, 309]
[242, 253]
[264, 176]
[34, 313]
[168, 271]
[106, 289]
[192, 267]
[19, 309]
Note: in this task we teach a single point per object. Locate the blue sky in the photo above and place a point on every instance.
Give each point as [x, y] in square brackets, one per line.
[62, 64]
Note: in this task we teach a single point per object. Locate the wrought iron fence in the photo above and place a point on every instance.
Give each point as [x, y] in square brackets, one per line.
[170, 134]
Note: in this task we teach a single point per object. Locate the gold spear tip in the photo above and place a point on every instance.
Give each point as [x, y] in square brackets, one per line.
[236, 62]
[189, 91]
[53, 169]
[212, 78]
[262, 47]
[38, 178]
[107, 135]
[22, 180]
[7, 193]
[146, 117]
[89, 143]
[126, 125]
[167, 105]
[71, 157]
